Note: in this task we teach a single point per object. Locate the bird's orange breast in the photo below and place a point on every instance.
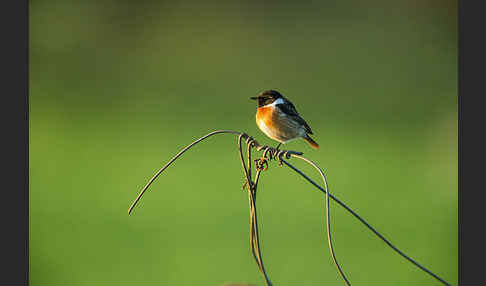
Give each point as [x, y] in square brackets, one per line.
[276, 125]
[265, 114]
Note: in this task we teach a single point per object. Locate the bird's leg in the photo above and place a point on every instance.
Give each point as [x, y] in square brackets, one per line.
[277, 150]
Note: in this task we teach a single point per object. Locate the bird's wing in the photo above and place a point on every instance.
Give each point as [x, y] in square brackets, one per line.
[289, 109]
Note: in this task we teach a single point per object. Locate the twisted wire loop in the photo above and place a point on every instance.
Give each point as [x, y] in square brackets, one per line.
[261, 164]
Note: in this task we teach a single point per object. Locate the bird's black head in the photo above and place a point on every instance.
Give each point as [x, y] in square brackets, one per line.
[267, 97]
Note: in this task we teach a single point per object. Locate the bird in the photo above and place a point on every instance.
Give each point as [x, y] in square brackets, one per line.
[277, 117]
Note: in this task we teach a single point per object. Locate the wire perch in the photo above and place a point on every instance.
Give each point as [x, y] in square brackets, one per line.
[261, 164]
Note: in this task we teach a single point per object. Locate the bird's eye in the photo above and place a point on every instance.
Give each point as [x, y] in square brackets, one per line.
[269, 100]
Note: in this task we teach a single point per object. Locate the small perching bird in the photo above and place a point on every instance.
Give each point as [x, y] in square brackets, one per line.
[277, 117]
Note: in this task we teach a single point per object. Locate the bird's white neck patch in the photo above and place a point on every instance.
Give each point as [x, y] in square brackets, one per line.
[278, 101]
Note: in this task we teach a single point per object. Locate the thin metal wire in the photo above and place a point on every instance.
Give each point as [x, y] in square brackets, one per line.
[366, 224]
[273, 153]
[254, 237]
[328, 217]
[172, 161]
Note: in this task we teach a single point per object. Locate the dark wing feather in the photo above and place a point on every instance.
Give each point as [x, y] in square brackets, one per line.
[289, 109]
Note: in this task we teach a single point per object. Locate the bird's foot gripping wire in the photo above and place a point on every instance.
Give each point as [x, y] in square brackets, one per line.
[277, 154]
[272, 153]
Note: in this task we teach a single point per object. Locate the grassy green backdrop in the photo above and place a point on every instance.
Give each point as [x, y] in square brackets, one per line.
[118, 87]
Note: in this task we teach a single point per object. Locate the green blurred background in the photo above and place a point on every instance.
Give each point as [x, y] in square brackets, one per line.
[118, 87]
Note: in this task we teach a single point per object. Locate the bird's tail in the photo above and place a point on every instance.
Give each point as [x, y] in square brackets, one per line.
[311, 142]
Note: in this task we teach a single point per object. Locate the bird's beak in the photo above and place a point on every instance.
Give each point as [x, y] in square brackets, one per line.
[254, 98]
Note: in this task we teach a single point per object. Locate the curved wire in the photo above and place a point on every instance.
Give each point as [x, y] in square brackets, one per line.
[288, 154]
[172, 161]
[328, 216]
[252, 187]
[367, 224]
